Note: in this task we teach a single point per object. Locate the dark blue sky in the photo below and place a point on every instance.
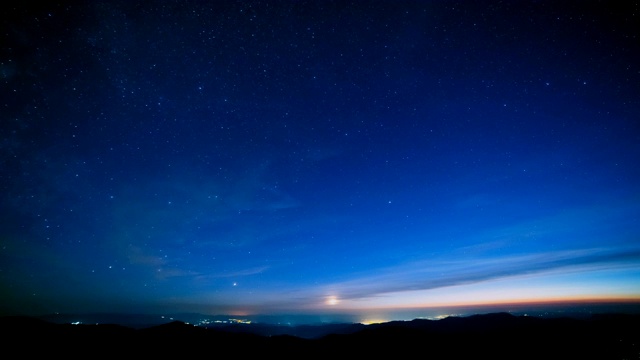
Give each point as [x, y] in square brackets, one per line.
[317, 157]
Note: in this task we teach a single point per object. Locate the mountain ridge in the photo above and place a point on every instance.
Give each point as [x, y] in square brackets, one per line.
[499, 335]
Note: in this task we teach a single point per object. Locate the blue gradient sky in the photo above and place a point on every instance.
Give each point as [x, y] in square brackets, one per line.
[317, 157]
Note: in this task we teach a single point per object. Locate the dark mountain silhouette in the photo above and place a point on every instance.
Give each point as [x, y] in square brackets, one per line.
[495, 336]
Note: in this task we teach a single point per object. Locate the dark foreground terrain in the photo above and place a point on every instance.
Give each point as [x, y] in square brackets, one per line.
[489, 336]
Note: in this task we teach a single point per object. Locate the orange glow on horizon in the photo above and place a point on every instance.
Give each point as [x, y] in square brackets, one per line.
[568, 300]
[551, 301]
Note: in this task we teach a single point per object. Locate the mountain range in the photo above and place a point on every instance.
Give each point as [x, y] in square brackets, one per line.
[495, 335]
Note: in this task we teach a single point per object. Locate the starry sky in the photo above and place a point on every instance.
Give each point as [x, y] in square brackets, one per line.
[321, 157]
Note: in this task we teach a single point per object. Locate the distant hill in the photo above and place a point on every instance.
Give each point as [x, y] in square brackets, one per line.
[496, 335]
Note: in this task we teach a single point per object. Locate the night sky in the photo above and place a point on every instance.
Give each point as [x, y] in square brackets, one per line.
[320, 157]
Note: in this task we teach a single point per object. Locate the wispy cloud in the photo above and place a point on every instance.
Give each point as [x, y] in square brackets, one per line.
[137, 256]
[440, 274]
[427, 275]
[233, 274]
